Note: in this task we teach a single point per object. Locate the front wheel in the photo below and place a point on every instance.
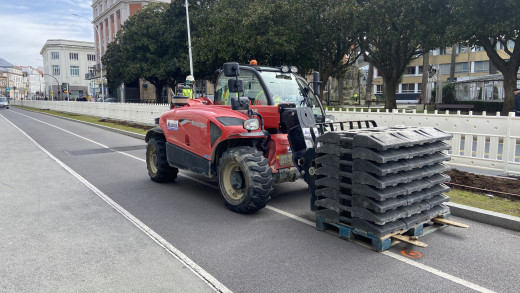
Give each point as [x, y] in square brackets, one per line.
[157, 163]
[245, 179]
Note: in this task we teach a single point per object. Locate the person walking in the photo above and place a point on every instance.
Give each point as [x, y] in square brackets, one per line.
[517, 101]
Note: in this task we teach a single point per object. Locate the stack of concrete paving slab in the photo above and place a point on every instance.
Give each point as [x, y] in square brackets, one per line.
[382, 180]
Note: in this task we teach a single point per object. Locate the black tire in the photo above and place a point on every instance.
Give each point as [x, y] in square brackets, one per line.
[157, 163]
[245, 179]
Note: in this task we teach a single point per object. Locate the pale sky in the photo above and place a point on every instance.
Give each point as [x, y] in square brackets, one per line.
[25, 26]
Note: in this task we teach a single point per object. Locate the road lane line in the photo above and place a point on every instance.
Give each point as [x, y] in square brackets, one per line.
[82, 137]
[387, 253]
[310, 223]
[437, 272]
[196, 269]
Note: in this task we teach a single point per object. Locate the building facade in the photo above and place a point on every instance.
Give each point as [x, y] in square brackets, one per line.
[471, 63]
[13, 82]
[108, 17]
[65, 65]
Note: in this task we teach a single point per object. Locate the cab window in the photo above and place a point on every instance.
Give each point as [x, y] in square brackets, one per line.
[252, 89]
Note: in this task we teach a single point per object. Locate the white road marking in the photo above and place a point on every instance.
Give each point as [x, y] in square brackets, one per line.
[196, 269]
[82, 137]
[305, 221]
[437, 272]
[386, 252]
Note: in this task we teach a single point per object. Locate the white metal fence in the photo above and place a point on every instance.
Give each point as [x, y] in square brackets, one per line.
[479, 141]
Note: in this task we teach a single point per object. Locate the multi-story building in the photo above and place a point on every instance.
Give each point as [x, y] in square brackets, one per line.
[14, 81]
[471, 64]
[35, 82]
[3, 84]
[108, 16]
[65, 64]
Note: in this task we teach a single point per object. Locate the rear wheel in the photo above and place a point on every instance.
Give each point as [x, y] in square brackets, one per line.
[245, 179]
[157, 163]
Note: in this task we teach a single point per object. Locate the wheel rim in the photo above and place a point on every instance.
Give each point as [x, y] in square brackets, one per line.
[152, 159]
[234, 182]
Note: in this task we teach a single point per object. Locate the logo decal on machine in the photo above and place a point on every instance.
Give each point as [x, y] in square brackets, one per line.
[194, 123]
[172, 125]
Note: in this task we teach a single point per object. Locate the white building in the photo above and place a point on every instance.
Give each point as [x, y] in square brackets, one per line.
[66, 63]
[35, 82]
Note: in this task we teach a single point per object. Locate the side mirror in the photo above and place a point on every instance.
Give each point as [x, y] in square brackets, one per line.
[235, 85]
[231, 69]
[240, 103]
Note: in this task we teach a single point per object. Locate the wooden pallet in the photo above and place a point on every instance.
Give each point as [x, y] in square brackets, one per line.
[380, 243]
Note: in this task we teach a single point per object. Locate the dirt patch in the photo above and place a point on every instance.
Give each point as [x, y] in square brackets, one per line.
[128, 124]
[488, 184]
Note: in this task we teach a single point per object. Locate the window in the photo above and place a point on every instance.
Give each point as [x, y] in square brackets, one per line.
[55, 70]
[461, 67]
[73, 56]
[252, 89]
[408, 88]
[74, 70]
[410, 70]
[379, 89]
[481, 66]
[55, 55]
[445, 68]
[91, 57]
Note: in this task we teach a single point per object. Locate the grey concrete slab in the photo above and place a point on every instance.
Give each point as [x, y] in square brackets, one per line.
[57, 235]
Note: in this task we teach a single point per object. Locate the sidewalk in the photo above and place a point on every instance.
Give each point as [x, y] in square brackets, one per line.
[57, 235]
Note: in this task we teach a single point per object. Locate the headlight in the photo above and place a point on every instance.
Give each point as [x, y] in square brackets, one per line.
[251, 124]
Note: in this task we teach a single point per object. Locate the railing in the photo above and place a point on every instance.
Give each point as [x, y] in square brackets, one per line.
[479, 141]
[138, 113]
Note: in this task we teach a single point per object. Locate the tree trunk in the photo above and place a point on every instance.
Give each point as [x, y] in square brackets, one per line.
[425, 75]
[158, 93]
[452, 63]
[509, 87]
[389, 90]
[370, 79]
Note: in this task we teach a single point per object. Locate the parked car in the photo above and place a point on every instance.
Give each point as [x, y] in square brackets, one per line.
[4, 103]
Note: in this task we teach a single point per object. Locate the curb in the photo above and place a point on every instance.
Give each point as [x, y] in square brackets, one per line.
[484, 216]
[457, 210]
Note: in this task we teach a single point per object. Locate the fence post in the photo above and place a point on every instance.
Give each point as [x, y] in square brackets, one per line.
[509, 144]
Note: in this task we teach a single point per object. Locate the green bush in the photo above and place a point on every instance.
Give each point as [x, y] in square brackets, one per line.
[448, 94]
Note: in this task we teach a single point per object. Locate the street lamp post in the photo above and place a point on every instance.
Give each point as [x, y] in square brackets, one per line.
[189, 45]
[100, 63]
[189, 38]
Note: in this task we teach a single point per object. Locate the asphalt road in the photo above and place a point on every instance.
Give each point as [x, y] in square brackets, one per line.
[274, 250]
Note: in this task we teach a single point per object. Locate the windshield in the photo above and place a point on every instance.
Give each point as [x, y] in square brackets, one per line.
[2, 99]
[290, 88]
